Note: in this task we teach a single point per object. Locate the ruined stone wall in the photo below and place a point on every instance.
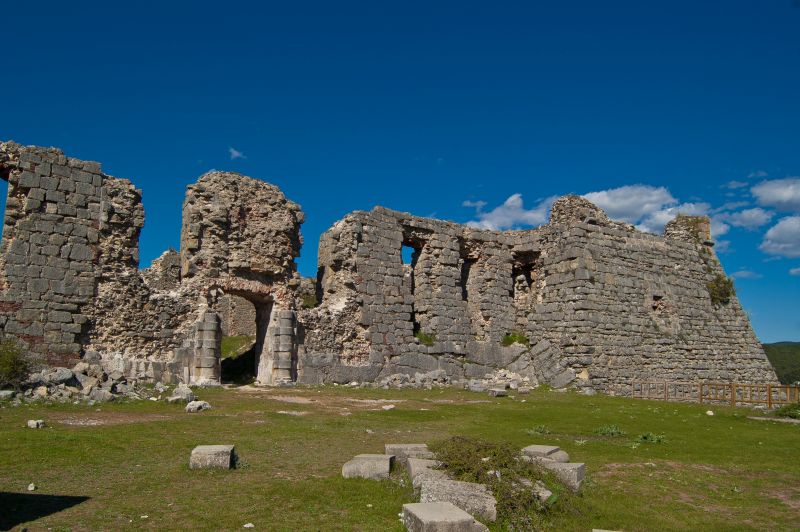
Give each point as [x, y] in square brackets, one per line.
[70, 283]
[51, 239]
[69, 266]
[238, 316]
[240, 237]
[600, 303]
[625, 305]
[591, 301]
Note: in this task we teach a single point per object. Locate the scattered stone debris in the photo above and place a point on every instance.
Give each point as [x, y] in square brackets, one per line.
[197, 406]
[35, 424]
[213, 457]
[443, 498]
[86, 382]
[181, 394]
[6, 395]
[553, 458]
[428, 380]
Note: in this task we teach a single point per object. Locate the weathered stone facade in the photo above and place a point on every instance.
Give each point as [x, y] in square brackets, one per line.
[70, 283]
[240, 237]
[579, 300]
[600, 303]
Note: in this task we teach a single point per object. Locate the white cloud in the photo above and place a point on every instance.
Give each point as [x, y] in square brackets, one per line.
[650, 208]
[782, 194]
[236, 154]
[748, 218]
[735, 184]
[722, 246]
[731, 205]
[794, 271]
[655, 222]
[512, 214]
[632, 202]
[746, 274]
[477, 205]
[757, 173]
[719, 227]
[783, 239]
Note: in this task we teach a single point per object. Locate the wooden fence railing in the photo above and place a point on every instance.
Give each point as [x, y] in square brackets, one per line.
[717, 392]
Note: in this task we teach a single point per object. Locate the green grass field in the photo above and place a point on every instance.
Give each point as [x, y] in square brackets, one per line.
[233, 346]
[785, 358]
[130, 460]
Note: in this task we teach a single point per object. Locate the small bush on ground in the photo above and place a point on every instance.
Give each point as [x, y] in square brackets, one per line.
[424, 338]
[538, 430]
[649, 437]
[15, 364]
[499, 466]
[790, 411]
[610, 430]
[515, 337]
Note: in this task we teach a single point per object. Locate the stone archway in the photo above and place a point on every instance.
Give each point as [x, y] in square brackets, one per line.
[274, 350]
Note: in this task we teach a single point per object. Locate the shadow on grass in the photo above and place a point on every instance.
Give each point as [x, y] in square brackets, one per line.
[20, 508]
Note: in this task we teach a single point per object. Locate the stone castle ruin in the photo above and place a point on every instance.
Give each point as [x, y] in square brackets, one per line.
[581, 301]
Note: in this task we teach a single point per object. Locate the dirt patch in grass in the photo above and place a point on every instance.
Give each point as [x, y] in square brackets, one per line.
[789, 496]
[292, 399]
[95, 419]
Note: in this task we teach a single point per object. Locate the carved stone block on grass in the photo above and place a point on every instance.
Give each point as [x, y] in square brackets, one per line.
[475, 499]
[403, 451]
[213, 457]
[439, 517]
[540, 451]
[571, 473]
[420, 469]
[371, 466]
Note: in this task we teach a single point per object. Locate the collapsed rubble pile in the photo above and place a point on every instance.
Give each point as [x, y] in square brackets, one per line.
[449, 504]
[87, 382]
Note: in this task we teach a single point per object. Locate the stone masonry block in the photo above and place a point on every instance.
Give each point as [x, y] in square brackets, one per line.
[404, 451]
[540, 451]
[213, 457]
[473, 498]
[371, 466]
[439, 517]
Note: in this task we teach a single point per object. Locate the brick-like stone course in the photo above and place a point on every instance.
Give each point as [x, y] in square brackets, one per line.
[601, 303]
[598, 303]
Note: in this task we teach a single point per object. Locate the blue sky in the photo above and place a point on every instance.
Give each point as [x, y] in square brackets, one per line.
[649, 107]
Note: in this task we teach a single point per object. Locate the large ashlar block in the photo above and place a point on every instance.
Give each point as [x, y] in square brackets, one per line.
[439, 517]
[404, 451]
[540, 451]
[571, 473]
[420, 470]
[473, 498]
[371, 466]
[213, 457]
